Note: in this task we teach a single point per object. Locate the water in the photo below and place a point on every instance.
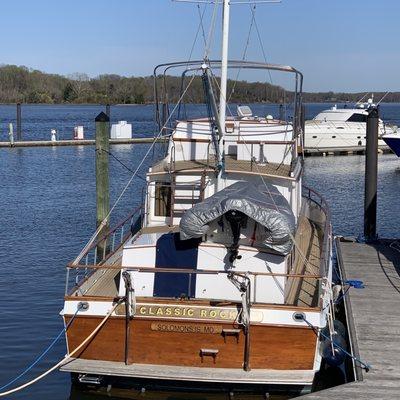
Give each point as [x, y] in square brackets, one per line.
[47, 209]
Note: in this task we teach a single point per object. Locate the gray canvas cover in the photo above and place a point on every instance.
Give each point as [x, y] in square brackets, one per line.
[263, 203]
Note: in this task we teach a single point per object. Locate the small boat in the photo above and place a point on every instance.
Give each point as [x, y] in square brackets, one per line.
[223, 276]
[342, 128]
[393, 141]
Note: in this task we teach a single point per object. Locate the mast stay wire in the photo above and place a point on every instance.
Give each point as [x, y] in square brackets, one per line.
[106, 219]
[260, 40]
[211, 31]
[243, 57]
[201, 23]
[199, 28]
[276, 206]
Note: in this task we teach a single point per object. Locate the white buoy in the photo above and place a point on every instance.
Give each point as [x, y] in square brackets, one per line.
[54, 135]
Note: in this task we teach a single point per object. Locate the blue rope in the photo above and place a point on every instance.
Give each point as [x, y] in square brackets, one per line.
[352, 283]
[38, 359]
[342, 295]
[355, 284]
[364, 365]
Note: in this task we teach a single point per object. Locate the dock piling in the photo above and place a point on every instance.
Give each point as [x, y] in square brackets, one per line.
[11, 133]
[102, 176]
[371, 174]
[19, 132]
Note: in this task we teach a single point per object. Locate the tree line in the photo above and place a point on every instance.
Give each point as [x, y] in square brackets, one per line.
[19, 84]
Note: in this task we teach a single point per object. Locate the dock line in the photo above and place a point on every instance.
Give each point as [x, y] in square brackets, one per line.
[316, 330]
[43, 353]
[38, 378]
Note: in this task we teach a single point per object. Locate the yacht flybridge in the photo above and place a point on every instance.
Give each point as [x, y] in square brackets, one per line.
[223, 275]
[342, 128]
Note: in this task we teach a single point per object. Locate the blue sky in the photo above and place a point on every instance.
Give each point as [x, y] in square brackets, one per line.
[339, 45]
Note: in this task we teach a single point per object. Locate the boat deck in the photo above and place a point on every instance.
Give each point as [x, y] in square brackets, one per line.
[374, 319]
[232, 165]
[302, 291]
[105, 282]
[189, 374]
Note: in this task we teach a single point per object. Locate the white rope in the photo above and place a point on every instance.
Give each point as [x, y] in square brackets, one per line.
[38, 378]
[105, 220]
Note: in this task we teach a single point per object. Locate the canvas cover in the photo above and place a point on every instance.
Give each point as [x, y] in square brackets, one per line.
[263, 203]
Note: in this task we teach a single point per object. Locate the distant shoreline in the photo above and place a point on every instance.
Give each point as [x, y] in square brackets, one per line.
[19, 84]
[151, 104]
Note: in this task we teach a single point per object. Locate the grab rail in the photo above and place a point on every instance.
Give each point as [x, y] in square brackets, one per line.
[109, 243]
[320, 201]
[104, 268]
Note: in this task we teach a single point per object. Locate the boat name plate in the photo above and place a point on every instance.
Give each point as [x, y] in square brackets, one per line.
[185, 328]
[188, 312]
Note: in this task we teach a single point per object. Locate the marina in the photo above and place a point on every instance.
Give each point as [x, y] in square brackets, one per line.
[318, 172]
[192, 245]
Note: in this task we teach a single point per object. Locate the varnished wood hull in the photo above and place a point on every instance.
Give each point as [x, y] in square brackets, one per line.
[271, 347]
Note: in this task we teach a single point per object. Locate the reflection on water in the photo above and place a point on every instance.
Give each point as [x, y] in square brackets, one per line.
[137, 394]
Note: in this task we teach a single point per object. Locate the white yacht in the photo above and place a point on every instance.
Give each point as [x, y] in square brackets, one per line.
[342, 128]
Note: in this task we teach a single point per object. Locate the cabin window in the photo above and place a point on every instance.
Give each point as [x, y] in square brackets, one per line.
[162, 199]
[357, 118]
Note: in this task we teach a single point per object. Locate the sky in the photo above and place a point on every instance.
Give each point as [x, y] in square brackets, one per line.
[339, 45]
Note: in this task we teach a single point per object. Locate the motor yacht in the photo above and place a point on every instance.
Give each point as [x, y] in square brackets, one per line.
[342, 129]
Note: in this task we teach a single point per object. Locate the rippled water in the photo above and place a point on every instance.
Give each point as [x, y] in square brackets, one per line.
[47, 211]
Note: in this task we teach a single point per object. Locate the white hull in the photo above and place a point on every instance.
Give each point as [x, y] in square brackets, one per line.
[336, 135]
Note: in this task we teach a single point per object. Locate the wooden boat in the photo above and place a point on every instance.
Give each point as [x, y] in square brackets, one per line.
[234, 304]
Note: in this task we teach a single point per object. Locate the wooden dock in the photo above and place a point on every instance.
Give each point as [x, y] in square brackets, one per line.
[82, 142]
[374, 320]
[342, 151]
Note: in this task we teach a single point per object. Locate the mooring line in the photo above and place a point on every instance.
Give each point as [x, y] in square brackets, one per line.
[38, 378]
[317, 330]
[38, 359]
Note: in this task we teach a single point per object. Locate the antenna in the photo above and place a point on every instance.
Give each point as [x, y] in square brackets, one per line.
[382, 98]
[224, 68]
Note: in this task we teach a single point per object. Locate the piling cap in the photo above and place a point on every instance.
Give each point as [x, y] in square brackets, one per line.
[373, 112]
[102, 117]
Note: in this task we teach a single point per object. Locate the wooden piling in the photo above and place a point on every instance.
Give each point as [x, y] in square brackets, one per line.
[102, 176]
[371, 174]
[19, 130]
